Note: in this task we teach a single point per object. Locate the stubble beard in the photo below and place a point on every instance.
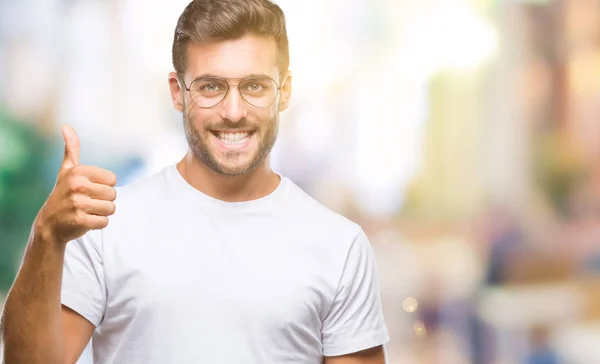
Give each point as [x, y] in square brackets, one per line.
[200, 146]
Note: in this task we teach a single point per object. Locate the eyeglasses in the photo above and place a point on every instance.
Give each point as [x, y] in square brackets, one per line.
[258, 91]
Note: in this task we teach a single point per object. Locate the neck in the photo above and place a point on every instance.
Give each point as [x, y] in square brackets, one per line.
[259, 183]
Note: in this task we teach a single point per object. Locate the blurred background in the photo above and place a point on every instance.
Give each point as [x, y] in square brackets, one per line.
[464, 136]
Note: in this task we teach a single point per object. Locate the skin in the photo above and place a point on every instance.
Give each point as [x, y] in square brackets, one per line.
[243, 174]
[35, 328]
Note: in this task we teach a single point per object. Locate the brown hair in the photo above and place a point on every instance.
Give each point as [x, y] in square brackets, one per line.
[205, 21]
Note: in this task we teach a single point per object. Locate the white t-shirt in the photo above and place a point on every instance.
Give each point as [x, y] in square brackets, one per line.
[180, 277]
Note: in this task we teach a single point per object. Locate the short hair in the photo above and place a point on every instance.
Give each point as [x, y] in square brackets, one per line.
[206, 21]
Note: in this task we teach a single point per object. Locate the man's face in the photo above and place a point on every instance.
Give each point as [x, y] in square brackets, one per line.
[233, 137]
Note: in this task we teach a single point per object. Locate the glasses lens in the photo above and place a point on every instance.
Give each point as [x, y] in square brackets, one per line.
[207, 92]
[259, 91]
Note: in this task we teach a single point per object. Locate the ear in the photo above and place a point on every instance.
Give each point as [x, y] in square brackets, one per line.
[177, 93]
[286, 92]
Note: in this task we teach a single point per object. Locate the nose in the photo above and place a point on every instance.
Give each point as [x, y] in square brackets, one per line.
[234, 107]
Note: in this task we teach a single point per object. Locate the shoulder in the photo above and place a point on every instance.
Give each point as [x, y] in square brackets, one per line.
[144, 197]
[312, 215]
[145, 188]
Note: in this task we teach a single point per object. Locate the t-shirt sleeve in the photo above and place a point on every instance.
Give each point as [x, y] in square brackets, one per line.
[83, 285]
[355, 320]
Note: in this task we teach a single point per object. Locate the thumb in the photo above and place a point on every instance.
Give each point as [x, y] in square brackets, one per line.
[71, 158]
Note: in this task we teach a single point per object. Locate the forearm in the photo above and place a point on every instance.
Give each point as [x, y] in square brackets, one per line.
[370, 356]
[31, 321]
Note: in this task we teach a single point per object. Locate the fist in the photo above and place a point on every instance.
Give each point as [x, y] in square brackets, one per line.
[81, 200]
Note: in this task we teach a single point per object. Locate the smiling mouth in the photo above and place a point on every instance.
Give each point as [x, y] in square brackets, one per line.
[233, 139]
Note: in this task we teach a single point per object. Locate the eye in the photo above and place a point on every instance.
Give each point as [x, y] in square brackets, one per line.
[254, 87]
[211, 87]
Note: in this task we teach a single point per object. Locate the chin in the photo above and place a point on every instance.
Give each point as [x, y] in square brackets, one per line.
[232, 171]
[235, 169]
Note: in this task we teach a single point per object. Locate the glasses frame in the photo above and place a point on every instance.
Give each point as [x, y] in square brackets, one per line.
[229, 85]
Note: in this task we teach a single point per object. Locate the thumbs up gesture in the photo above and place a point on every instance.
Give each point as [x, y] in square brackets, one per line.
[82, 199]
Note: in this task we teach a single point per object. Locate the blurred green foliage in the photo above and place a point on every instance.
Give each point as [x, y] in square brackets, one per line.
[24, 186]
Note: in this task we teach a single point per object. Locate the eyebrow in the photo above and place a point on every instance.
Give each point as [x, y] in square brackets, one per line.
[210, 75]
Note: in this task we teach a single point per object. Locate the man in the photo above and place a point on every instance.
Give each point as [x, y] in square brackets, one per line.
[216, 259]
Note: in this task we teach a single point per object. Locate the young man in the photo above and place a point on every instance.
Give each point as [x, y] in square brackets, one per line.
[216, 259]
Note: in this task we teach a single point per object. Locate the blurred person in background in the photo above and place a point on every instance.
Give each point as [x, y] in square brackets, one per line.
[542, 352]
[216, 259]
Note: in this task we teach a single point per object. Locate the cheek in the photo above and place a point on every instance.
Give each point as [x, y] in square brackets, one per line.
[198, 117]
[266, 116]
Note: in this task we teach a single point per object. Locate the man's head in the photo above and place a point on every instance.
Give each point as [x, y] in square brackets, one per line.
[231, 80]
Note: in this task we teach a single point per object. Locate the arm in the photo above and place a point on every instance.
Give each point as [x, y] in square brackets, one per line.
[354, 330]
[370, 356]
[77, 333]
[34, 327]
[34, 330]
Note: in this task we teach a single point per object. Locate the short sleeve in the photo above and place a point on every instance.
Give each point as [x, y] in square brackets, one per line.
[83, 286]
[355, 320]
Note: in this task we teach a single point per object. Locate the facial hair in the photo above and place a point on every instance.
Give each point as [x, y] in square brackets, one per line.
[200, 146]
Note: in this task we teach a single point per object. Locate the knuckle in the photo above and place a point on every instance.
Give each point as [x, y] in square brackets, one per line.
[77, 185]
[79, 188]
[80, 219]
[73, 200]
[78, 170]
[77, 202]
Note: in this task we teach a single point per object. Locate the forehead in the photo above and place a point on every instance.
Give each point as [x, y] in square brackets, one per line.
[234, 58]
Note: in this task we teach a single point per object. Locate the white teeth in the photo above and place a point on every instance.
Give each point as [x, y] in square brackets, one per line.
[233, 138]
